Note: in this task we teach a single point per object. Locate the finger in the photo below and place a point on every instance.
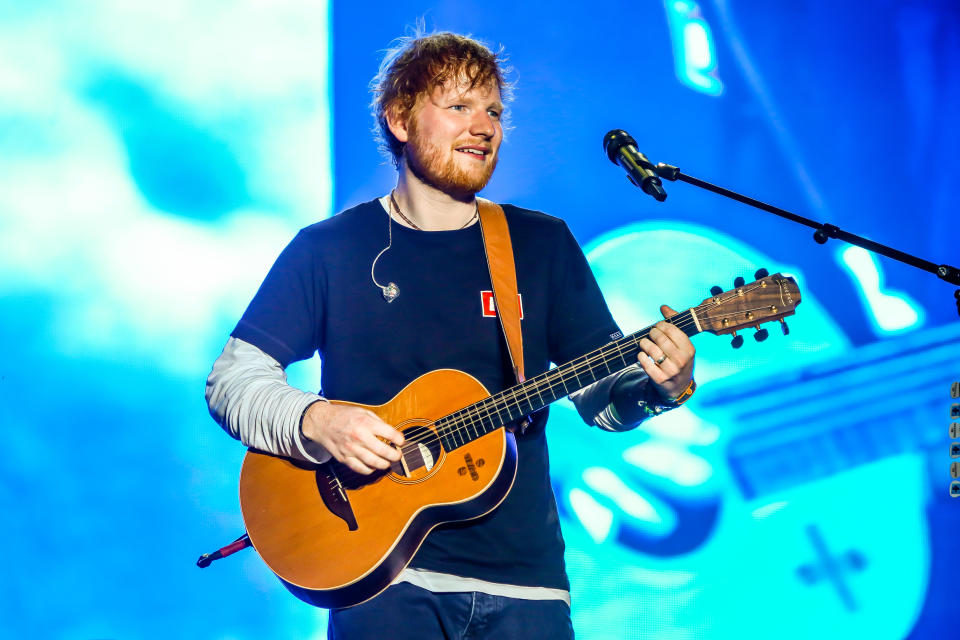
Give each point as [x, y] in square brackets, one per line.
[385, 450]
[372, 459]
[381, 452]
[676, 334]
[652, 349]
[387, 432]
[650, 368]
[668, 368]
[664, 342]
[672, 340]
[357, 466]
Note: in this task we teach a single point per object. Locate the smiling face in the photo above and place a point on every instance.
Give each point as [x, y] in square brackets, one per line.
[453, 136]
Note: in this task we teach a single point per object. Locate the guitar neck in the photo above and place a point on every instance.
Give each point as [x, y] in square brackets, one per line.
[480, 418]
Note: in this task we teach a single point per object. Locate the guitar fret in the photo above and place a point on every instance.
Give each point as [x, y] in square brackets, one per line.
[593, 375]
[503, 416]
[558, 385]
[524, 398]
[445, 439]
[455, 433]
[493, 422]
[620, 355]
[563, 381]
[539, 396]
[573, 370]
[468, 425]
[515, 401]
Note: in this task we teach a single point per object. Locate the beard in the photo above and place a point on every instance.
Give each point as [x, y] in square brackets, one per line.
[431, 165]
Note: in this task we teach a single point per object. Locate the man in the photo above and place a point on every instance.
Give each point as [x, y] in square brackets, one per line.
[439, 106]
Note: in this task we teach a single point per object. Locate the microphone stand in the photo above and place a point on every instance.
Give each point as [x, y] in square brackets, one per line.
[822, 231]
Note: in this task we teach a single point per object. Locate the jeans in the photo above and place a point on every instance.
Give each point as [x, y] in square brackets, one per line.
[405, 611]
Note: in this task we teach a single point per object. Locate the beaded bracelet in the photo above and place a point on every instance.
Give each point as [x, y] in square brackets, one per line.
[685, 394]
[654, 404]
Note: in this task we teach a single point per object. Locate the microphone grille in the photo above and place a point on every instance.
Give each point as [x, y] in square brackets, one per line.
[614, 140]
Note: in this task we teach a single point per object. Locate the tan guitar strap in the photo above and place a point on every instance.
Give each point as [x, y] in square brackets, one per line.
[503, 277]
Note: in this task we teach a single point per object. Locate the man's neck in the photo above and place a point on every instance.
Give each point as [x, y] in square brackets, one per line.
[429, 208]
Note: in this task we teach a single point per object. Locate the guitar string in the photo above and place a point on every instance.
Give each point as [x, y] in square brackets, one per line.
[553, 378]
[474, 411]
[550, 380]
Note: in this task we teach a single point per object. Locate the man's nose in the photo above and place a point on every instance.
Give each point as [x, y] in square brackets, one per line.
[482, 124]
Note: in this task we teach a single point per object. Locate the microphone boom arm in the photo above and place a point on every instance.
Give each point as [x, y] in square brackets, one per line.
[822, 231]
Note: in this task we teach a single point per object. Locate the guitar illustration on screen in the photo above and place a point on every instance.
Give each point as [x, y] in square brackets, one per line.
[813, 500]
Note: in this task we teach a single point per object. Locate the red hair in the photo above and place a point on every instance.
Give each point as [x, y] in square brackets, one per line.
[421, 63]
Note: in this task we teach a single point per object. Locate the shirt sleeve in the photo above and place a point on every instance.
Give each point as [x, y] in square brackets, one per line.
[248, 395]
[579, 318]
[284, 317]
[581, 322]
[619, 402]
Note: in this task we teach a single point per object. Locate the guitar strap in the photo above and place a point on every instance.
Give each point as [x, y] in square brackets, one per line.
[503, 278]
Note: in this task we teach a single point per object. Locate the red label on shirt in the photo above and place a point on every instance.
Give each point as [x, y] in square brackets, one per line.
[489, 306]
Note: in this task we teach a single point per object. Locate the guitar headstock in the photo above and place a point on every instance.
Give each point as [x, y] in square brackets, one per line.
[748, 305]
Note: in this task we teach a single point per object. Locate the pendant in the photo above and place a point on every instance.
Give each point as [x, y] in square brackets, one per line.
[390, 292]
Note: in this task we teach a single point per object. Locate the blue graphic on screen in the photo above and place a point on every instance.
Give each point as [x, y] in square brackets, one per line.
[153, 163]
[693, 48]
[890, 312]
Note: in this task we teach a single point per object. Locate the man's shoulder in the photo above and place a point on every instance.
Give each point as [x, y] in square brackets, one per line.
[530, 221]
[346, 221]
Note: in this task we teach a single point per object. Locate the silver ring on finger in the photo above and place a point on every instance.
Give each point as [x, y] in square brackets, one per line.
[660, 360]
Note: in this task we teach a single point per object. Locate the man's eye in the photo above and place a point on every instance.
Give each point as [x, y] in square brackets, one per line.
[458, 107]
[494, 113]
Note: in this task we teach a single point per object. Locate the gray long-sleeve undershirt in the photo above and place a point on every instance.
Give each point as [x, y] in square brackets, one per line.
[248, 395]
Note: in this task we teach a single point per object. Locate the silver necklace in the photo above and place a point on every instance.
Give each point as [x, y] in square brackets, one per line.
[391, 291]
[393, 201]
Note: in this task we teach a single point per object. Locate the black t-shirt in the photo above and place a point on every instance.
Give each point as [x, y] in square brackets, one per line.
[319, 296]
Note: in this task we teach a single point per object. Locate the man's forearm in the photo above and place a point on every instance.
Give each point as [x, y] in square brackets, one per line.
[598, 403]
[248, 395]
[620, 401]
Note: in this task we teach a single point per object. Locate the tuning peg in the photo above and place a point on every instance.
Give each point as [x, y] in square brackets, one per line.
[738, 281]
[715, 290]
[784, 327]
[737, 341]
[761, 273]
[761, 335]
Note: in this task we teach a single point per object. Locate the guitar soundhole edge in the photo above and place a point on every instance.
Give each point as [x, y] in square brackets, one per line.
[422, 455]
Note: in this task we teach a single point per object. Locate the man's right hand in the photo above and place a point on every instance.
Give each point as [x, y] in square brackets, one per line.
[352, 435]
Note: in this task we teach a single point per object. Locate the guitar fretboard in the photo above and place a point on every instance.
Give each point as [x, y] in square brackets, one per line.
[480, 418]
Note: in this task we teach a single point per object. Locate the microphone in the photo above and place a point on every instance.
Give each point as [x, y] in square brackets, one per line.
[621, 148]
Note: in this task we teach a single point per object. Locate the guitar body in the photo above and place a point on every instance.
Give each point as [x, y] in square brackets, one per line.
[336, 538]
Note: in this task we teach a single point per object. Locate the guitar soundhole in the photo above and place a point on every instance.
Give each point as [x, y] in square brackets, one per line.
[421, 453]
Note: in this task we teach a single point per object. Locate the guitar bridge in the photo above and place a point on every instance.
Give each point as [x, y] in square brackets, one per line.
[334, 495]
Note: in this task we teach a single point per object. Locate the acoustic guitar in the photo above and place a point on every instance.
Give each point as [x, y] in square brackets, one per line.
[336, 538]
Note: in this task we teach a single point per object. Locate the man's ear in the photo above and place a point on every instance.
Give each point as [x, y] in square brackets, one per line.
[398, 125]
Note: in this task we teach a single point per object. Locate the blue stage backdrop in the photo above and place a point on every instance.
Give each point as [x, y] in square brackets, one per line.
[155, 158]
